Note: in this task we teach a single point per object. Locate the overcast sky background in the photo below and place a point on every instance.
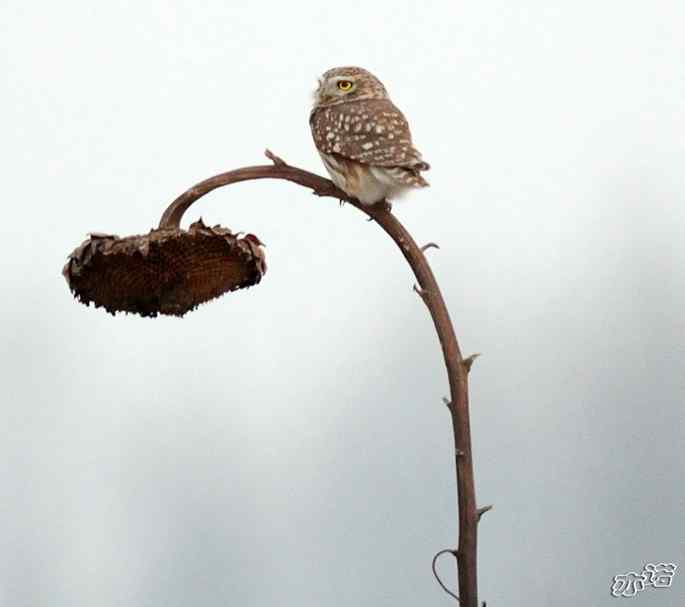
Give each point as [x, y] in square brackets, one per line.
[287, 445]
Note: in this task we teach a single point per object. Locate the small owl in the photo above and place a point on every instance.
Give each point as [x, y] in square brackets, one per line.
[363, 139]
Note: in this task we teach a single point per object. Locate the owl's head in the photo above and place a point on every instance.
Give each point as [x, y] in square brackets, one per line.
[342, 84]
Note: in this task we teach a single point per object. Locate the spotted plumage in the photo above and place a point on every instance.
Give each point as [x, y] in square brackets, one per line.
[363, 139]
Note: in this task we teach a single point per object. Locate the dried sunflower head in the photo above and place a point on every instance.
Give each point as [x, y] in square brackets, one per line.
[167, 271]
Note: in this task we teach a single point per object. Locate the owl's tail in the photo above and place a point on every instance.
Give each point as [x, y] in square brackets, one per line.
[410, 177]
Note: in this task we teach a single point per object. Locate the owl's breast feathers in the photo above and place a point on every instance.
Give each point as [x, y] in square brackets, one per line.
[369, 131]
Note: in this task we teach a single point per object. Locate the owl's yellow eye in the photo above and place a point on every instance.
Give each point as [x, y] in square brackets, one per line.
[344, 85]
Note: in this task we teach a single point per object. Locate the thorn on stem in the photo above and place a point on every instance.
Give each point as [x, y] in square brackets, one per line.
[422, 293]
[481, 511]
[468, 362]
[275, 159]
[447, 402]
[430, 245]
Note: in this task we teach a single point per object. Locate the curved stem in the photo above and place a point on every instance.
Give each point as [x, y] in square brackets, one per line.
[435, 571]
[457, 367]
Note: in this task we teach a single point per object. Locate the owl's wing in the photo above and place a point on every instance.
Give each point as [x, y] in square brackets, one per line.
[370, 131]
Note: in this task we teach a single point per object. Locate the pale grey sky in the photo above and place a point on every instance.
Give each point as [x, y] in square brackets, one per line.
[287, 445]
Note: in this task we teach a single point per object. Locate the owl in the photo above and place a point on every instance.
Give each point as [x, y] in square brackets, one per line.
[363, 139]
